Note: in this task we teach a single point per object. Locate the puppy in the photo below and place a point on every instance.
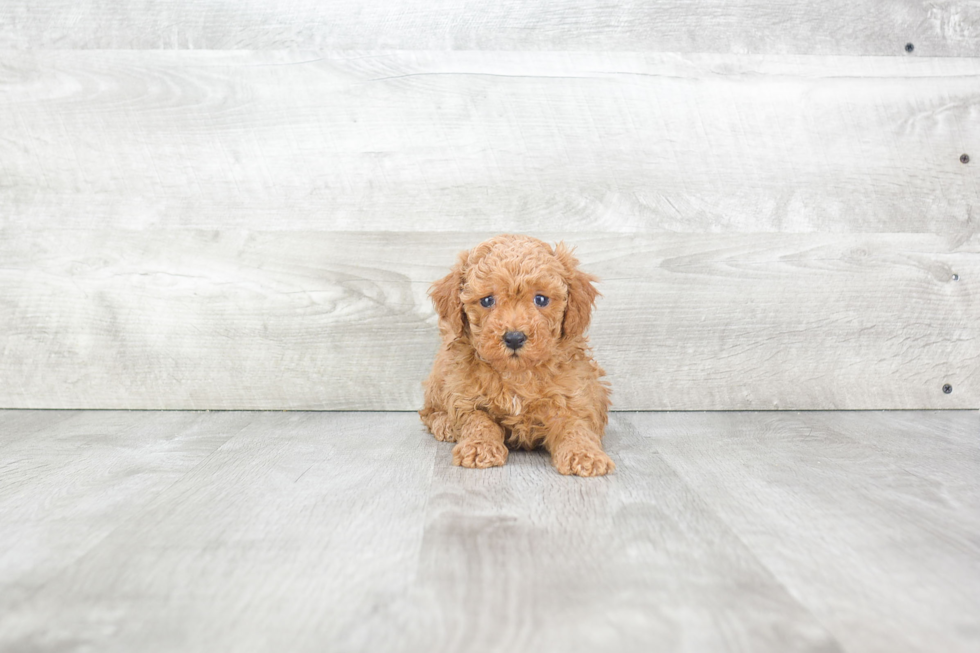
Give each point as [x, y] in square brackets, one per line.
[514, 369]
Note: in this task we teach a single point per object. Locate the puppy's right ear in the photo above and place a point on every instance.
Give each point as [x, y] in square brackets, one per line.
[445, 297]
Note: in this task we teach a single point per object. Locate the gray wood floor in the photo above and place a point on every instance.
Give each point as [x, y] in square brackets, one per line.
[237, 531]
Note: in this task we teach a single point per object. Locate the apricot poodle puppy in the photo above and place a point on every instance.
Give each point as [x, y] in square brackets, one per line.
[514, 369]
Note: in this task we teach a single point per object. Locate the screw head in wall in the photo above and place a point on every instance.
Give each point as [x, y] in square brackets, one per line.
[947, 388]
[956, 277]
[964, 158]
[909, 47]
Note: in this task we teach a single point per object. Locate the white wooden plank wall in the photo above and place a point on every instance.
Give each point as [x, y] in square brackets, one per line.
[310, 319]
[236, 205]
[853, 27]
[489, 141]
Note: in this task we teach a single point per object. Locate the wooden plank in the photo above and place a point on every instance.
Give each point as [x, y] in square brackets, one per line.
[293, 528]
[488, 141]
[882, 557]
[67, 488]
[831, 27]
[519, 558]
[314, 320]
[791, 322]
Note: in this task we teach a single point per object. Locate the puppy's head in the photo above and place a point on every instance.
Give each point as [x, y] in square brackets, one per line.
[515, 300]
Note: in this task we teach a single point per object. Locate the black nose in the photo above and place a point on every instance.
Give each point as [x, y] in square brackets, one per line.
[515, 339]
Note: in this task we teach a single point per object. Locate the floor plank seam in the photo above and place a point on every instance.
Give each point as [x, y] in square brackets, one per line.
[717, 515]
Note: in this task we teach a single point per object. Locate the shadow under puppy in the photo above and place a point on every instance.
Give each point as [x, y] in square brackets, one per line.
[514, 369]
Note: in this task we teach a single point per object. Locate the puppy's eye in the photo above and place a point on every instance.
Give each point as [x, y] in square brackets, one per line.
[487, 301]
[541, 301]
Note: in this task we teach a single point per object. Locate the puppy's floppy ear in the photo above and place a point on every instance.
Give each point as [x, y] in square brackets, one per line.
[581, 294]
[445, 297]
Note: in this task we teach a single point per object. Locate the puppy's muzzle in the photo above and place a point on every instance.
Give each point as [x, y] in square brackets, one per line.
[515, 339]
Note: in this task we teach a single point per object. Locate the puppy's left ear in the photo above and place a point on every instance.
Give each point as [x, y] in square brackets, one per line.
[445, 298]
[581, 294]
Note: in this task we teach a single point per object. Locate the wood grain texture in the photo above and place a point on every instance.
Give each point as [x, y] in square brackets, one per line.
[886, 559]
[767, 532]
[554, 564]
[489, 141]
[71, 482]
[859, 27]
[292, 528]
[944, 471]
[309, 320]
[17, 425]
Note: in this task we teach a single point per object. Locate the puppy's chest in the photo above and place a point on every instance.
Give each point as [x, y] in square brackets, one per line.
[523, 419]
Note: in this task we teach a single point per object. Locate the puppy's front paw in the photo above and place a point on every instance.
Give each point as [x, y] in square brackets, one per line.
[441, 428]
[583, 462]
[479, 454]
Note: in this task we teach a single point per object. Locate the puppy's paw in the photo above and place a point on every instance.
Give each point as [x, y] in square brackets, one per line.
[583, 462]
[479, 454]
[440, 428]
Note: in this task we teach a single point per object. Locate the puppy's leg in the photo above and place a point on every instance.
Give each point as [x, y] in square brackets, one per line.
[577, 449]
[440, 426]
[481, 442]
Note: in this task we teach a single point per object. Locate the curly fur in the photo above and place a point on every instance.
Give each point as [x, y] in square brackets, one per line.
[486, 397]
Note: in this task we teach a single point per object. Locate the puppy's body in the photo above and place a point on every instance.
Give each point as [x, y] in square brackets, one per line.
[515, 369]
